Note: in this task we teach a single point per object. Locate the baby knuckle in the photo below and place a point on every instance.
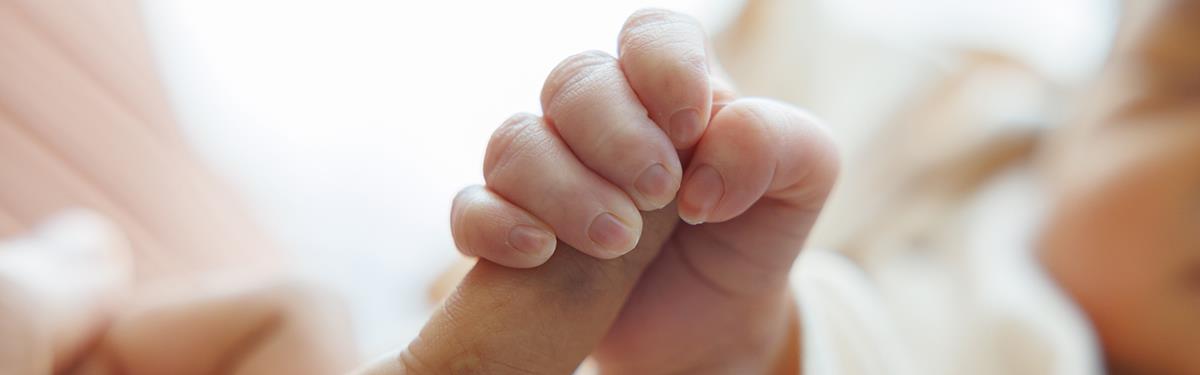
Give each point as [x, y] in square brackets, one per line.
[519, 135]
[652, 29]
[751, 119]
[574, 78]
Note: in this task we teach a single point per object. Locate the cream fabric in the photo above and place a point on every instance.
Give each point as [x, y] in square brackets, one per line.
[987, 309]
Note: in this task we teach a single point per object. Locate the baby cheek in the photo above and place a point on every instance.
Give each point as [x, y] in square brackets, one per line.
[1152, 198]
[1103, 249]
[1131, 246]
[1172, 202]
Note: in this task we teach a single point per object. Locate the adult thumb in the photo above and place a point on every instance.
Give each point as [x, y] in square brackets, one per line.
[544, 320]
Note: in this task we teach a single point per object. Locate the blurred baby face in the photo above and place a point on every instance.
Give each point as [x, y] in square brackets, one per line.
[1124, 239]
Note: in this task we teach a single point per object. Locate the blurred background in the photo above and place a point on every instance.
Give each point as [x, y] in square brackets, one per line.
[348, 126]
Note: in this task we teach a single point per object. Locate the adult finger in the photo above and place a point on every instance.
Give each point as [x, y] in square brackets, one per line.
[542, 320]
[665, 57]
[285, 328]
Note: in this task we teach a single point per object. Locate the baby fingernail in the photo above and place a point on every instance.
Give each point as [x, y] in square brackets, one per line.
[531, 240]
[609, 233]
[684, 127]
[700, 194]
[655, 185]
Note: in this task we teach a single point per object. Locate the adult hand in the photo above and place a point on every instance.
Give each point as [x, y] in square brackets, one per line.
[68, 306]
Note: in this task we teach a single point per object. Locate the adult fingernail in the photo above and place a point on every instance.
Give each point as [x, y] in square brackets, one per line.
[684, 127]
[531, 240]
[655, 185]
[609, 233]
[701, 193]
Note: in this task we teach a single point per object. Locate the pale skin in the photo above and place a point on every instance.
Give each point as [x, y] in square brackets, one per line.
[644, 293]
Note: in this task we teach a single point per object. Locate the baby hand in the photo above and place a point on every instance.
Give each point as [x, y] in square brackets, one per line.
[634, 132]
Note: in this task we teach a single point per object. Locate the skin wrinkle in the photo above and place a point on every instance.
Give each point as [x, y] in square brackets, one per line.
[625, 74]
[410, 363]
[802, 187]
[773, 268]
[515, 145]
[568, 78]
[456, 309]
[501, 140]
[703, 277]
[696, 63]
[639, 20]
[641, 44]
[588, 100]
[752, 123]
[603, 138]
[721, 246]
[773, 191]
[650, 30]
[469, 355]
[519, 368]
[526, 143]
[584, 282]
[783, 209]
[526, 148]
